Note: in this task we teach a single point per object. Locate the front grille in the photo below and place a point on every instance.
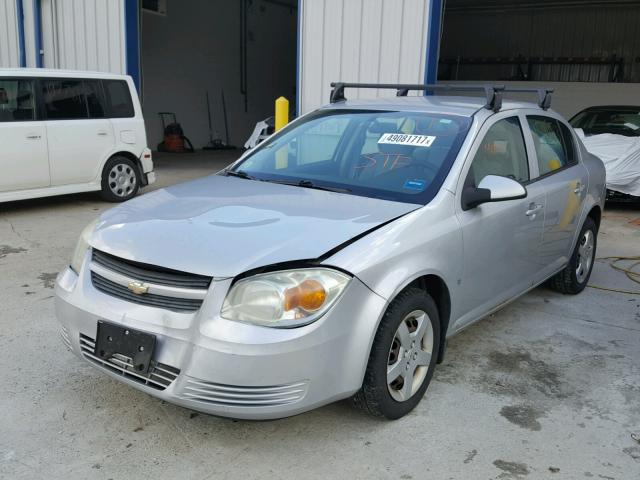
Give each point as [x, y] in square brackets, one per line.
[150, 273]
[243, 396]
[160, 376]
[105, 265]
[160, 301]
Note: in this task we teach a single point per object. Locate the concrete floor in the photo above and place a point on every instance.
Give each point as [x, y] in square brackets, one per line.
[549, 387]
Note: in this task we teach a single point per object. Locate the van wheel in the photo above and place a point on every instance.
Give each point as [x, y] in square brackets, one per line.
[403, 356]
[120, 179]
[573, 279]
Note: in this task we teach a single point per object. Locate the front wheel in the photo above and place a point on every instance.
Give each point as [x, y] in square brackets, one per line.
[403, 356]
[573, 279]
[120, 179]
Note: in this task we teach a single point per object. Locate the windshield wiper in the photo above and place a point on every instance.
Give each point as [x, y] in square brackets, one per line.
[239, 174]
[310, 184]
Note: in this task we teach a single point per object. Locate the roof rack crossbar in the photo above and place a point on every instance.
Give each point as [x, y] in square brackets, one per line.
[493, 93]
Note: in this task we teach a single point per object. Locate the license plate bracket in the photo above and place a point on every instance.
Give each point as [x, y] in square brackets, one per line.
[113, 339]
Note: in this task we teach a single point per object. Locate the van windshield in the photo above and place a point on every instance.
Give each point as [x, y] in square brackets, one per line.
[399, 156]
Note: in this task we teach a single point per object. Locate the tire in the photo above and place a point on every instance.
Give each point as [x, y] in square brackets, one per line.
[120, 179]
[394, 398]
[575, 276]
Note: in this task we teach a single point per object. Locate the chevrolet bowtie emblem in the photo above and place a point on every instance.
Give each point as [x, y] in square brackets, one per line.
[138, 288]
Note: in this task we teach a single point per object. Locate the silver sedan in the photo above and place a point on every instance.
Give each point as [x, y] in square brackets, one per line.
[336, 258]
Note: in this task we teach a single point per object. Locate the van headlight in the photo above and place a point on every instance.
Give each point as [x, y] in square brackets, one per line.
[288, 298]
[82, 246]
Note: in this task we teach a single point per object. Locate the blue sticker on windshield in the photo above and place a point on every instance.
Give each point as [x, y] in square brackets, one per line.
[416, 184]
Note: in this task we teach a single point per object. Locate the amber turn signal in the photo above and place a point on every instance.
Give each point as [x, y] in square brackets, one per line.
[310, 295]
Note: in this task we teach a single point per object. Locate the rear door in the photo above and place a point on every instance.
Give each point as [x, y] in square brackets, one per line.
[565, 179]
[23, 139]
[501, 239]
[80, 136]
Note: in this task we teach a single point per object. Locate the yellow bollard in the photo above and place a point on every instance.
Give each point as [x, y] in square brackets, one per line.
[282, 113]
[282, 118]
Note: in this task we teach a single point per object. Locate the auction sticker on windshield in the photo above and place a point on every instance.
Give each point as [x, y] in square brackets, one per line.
[405, 139]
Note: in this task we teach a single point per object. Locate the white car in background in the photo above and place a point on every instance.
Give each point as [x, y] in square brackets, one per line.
[66, 132]
[612, 133]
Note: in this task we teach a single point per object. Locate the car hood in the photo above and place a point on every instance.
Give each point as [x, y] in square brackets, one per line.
[222, 226]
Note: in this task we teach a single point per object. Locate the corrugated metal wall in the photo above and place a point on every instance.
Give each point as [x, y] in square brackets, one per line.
[84, 35]
[583, 30]
[360, 41]
[9, 46]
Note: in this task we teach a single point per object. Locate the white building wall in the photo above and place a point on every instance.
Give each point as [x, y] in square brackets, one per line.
[9, 46]
[382, 41]
[84, 35]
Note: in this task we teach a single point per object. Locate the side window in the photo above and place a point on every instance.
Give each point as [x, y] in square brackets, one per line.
[119, 103]
[502, 152]
[64, 99]
[95, 98]
[569, 144]
[552, 148]
[17, 100]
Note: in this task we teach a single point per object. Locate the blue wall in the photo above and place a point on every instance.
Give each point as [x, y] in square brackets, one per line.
[434, 30]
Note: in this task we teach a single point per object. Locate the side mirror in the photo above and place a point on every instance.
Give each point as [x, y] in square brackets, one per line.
[492, 188]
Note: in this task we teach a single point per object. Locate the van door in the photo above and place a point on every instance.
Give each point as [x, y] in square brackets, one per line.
[80, 137]
[23, 138]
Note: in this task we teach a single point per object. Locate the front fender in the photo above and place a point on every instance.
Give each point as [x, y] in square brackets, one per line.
[427, 241]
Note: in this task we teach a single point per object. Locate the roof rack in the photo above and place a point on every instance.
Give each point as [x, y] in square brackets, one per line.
[493, 93]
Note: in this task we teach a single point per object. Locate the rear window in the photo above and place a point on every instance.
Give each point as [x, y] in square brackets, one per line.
[400, 156]
[119, 103]
[17, 100]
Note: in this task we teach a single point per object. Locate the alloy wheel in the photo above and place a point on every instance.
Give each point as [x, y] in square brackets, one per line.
[585, 256]
[410, 355]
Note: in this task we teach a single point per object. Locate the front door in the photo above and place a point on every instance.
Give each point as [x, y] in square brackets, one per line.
[79, 135]
[501, 239]
[24, 163]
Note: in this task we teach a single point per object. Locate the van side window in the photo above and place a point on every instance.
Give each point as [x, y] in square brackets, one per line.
[64, 99]
[119, 104]
[17, 100]
[552, 147]
[502, 152]
[95, 98]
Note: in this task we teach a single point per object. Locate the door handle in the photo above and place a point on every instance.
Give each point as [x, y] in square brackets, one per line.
[102, 133]
[33, 137]
[534, 208]
[579, 188]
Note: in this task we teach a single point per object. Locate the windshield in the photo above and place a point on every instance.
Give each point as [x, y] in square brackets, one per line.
[620, 122]
[400, 156]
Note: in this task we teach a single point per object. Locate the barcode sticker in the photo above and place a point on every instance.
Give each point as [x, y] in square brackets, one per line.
[405, 139]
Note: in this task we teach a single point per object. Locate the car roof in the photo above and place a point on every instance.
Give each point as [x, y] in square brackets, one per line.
[48, 72]
[456, 105]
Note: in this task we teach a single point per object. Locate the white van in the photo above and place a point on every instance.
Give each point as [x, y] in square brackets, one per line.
[66, 132]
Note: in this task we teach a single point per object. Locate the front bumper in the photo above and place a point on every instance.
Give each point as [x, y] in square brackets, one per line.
[228, 368]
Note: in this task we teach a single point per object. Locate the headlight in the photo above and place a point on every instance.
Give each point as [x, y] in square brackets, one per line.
[82, 246]
[290, 298]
